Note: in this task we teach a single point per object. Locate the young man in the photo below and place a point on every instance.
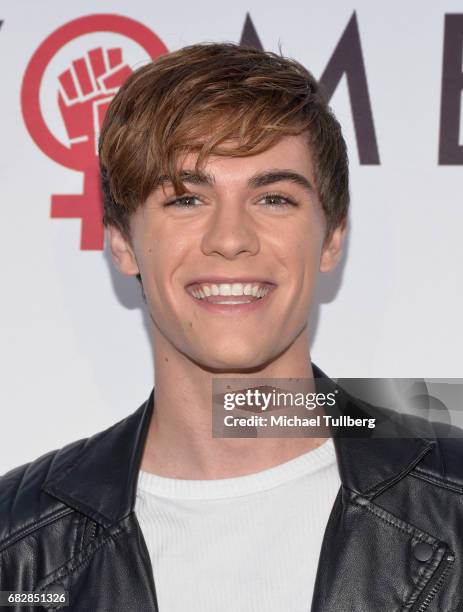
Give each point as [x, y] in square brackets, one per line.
[226, 193]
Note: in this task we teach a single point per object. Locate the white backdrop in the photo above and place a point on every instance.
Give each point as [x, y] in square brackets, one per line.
[75, 354]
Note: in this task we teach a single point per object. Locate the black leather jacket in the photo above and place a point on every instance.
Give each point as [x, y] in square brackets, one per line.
[394, 539]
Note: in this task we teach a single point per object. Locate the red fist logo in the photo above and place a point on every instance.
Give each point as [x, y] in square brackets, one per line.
[86, 89]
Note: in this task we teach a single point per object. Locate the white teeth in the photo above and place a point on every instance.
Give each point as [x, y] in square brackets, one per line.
[230, 289]
[225, 289]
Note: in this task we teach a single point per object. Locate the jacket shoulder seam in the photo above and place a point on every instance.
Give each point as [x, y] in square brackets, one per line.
[444, 483]
[30, 528]
[382, 514]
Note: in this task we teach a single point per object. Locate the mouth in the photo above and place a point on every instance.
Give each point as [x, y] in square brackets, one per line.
[231, 295]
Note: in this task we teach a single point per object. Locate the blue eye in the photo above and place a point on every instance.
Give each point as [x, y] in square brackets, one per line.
[274, 200]
[182, 202]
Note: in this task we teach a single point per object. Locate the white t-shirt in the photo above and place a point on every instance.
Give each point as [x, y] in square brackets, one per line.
[244, 544]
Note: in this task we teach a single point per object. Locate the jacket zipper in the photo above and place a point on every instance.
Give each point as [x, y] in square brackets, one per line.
[438, 584]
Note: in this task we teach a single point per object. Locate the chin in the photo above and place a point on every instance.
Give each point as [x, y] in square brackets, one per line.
[233, 359]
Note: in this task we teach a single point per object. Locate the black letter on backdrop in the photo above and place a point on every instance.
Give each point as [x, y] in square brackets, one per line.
[249, 36]
[450, 149]
[347, 59]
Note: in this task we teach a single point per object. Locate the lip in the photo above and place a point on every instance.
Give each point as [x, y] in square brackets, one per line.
[234, 309]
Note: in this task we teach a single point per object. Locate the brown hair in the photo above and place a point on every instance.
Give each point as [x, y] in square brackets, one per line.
[201, 96]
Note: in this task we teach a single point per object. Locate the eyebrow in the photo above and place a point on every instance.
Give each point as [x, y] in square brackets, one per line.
[189, 176]
[262, 179]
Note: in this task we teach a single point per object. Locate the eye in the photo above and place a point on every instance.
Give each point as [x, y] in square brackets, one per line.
[183, 202]
[275, 200]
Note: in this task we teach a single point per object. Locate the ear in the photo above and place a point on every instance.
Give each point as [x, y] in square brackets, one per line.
[332, 249]
[122, 252]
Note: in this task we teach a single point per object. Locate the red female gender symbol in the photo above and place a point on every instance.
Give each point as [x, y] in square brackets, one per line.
[86, 91]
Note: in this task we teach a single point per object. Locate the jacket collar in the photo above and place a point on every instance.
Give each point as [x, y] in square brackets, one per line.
[369, 465]
[101, 479]
[98, 476]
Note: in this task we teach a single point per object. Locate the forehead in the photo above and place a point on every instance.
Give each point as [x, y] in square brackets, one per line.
[289, 153]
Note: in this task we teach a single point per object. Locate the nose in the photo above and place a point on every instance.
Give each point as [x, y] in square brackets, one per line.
[230, 231]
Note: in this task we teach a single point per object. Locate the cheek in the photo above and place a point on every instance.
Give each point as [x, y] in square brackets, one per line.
[300, 249]
[159, 253]
[164, 263]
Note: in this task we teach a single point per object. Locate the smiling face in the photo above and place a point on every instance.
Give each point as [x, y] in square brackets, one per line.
[229, 267]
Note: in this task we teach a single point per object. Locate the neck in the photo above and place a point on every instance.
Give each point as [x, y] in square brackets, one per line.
[180, 443]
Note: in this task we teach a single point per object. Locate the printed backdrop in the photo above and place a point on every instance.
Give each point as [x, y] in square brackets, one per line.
[75, 354]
